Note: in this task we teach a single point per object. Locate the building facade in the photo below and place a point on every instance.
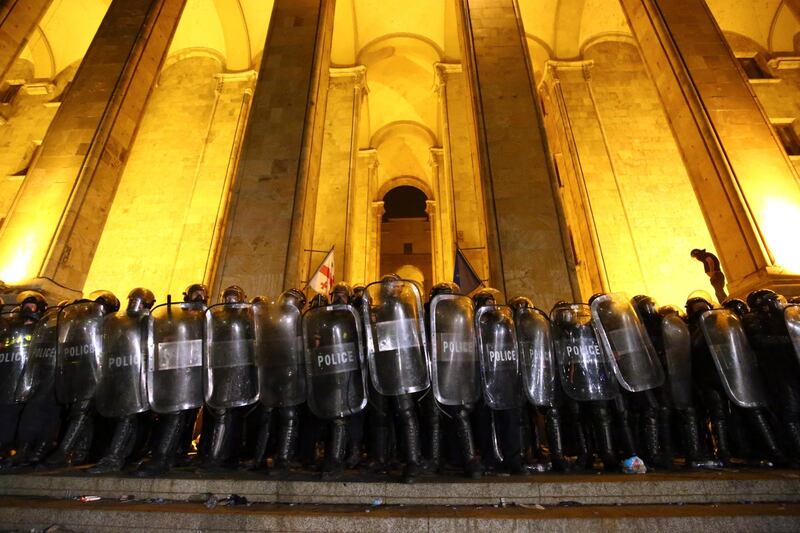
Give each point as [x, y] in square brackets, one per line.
[566, 147]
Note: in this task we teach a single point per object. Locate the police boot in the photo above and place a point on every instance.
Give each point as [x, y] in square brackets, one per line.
[121, 446]
[793, 434]
[627, 443]
[435, 439]
[554, 439]
[355, 436]
[758, 419]
[262, 440]
[74, 446]
[690, 431]
[166, 446]
[287, 438]
[605, 437]
[219, 451]
[665, 436]
[16, 461]
[337, 448]
[410, 432]
[472, 463]
[719, 426]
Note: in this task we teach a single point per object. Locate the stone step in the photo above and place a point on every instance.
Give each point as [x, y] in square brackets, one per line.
[18, 513]
[682, 487]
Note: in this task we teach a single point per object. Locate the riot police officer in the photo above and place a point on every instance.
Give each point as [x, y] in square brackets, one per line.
[587, 380]
[727, 376]
[539, 373]
[122, 389]
[455, 371]
[502, 383]
[175, 377]
[231, 375]
[672, 341]
[77, 369]
[15, 356]
[281, 375]
[397, 362]
[766, 328]
[335, 372]
[40, 420]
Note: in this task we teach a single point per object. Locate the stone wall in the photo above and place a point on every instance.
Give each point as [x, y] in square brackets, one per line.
[161, 225]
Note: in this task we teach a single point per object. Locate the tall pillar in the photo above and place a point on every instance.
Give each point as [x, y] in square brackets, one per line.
[443, 231]
[271, 216]
[338, 168]
[527, 248]
[461, 172]
[18, 19]
[745, 183]
[57, 218]
[360, 241]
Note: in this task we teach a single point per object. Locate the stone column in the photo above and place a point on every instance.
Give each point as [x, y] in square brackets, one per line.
[271, 216]
[360, 231]
[443, 231]
[434, 223]
[374, 267]
[745, 183]
[18, 19]
[338, 167]
[621, 267]
[462, 174]
[527, 248]
[57, 218]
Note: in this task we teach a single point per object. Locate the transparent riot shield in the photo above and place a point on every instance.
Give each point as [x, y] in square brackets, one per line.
[792, 316]
[396, 346]
[175, 357]
[39, 374]
[122, 388]
[15, 342]
[335, 367]
[497, 343]
[678, 358]
[80, 344]
[624, 339]
[231, 374]
[734, 358]
[455, 368]
[586, 373]
[279, 354]
[536, 351]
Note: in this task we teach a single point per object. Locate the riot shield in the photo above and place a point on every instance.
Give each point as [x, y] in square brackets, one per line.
[624, 339]
[231, 375]
[455, 368]
[395, 343]
[335, 371]
[497, 343]
[279, 354]
[122, 389]
[735, 360]
[15, 343]
[175, 357]
[792, 316]
[536, 350]
[80, 345]
[39, 374]
[678, 358]
[586, 373]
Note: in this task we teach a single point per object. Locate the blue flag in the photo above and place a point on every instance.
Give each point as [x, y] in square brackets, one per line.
[464, 274]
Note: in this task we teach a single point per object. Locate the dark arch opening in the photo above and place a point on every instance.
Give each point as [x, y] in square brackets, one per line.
[404, 201]
[406, 234]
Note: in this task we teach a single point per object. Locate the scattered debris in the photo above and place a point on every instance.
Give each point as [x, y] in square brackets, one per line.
[85, 499]
[633, 465]
[377, 501]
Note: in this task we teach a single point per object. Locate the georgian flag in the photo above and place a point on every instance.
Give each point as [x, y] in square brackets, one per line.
[322, 282]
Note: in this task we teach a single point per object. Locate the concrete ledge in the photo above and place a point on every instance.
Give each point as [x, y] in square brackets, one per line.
[544, 489]
[18, 513]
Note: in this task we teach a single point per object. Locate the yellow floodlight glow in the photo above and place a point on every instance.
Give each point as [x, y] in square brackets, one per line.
[780, 223]
[17, 268]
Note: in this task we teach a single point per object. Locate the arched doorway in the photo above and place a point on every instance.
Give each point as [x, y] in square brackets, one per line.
[406, 234]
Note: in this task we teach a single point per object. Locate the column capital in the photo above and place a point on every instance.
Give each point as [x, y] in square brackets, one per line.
[442, 70]
[553, 67]
[430, 207]
[357, 73]
[370, 156]
[378, 208]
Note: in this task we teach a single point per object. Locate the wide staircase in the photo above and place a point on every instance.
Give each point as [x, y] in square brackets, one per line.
[730, 500]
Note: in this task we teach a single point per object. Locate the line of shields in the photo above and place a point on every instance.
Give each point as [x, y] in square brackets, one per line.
[183, 355]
